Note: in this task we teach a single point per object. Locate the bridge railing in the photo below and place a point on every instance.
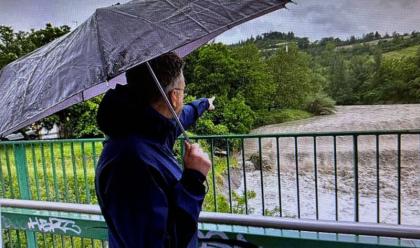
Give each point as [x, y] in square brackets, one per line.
[349, 174]
[352, 176]
[81, 225]
[341, 176]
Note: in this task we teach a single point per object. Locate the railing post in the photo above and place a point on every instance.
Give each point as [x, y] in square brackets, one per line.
[23, 183]
[316, 180]
[399, 177]
[356, 178]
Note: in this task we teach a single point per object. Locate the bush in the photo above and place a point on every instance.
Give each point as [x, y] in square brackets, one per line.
[231, 115]
[265, 117]
[238, 116]
[238, 201]
[206, 126]
[320, 104]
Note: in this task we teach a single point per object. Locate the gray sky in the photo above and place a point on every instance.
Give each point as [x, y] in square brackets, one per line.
[309, 18]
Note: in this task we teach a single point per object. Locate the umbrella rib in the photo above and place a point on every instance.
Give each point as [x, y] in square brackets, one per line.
[187, 15]
[260, 13]
[214, 12]
[148, 21]
[100, 45]
[32, 52]
[210, 13]
[58, 42]
[227, 11]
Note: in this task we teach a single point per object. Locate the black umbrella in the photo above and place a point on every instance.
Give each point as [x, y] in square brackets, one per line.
[81, 64]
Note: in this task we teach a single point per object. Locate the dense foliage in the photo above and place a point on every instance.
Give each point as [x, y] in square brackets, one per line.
[251, 90]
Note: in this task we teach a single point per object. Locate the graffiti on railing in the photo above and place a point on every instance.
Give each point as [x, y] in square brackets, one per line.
[53, 224]
[222, 240]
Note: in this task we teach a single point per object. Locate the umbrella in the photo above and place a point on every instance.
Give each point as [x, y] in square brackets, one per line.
[92, 58]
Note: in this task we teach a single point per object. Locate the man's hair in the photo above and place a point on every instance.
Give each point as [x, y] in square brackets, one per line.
[167, 68]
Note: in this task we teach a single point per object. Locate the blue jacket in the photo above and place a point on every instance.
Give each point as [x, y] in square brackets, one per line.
[145, 198]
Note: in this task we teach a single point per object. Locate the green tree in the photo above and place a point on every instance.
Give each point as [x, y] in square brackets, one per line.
[231, 115]
[397, 73]
[14, 45]
[360, 71]
[293, 76]
[212, 71]
[255, 82]
[228, 73]
[339, 86]
[79, 121]
[238, 116]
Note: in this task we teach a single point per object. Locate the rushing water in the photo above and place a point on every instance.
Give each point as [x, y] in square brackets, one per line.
[347, 118]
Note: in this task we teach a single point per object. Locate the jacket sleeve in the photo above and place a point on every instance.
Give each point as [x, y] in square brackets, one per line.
[189, 196]
[191, 112]
[139, 207]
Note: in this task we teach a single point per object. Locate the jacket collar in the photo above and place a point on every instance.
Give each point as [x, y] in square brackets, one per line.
[155, 126]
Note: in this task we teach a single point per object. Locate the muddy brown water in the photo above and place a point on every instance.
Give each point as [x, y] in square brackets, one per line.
[346, 118]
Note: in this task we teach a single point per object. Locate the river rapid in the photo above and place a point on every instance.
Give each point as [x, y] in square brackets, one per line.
[327, 185]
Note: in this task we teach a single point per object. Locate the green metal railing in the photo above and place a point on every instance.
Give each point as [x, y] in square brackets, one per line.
[63, 171]
[50, 170]
[215, 229]
[53, 170]
[355, 138]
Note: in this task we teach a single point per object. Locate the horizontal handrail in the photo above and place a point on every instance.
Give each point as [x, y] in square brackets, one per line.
[356, 228]
[306, 134]
[237, 136]
[370, 229]
[52, 206]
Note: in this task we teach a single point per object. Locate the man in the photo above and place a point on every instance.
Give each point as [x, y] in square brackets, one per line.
[146, 199]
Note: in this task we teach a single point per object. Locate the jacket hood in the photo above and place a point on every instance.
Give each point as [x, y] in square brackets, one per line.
[121, 114]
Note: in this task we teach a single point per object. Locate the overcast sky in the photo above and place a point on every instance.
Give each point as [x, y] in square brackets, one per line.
[308, 18]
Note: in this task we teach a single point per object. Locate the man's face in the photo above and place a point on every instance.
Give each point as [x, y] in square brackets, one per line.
[178, 93]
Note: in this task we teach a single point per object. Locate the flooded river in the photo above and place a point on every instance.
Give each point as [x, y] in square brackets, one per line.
[376, 189]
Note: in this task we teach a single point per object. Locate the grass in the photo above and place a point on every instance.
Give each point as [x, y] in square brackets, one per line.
[406, 52]
[65, 172]
[17, 238]
[57, 172]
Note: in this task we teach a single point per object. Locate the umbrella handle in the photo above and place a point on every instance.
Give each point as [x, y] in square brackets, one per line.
[165, 97]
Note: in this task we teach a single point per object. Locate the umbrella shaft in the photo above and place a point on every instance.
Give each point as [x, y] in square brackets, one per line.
[165, 97]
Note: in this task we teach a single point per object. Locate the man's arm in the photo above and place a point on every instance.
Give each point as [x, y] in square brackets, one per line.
[190, 192]
[191, 112]
[189, 197]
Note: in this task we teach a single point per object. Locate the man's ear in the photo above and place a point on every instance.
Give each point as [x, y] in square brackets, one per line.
[173, 98]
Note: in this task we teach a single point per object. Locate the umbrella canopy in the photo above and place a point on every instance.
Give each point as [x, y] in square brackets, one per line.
[79, 65]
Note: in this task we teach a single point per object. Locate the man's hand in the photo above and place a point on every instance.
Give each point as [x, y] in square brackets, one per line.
[196, 159]
[211, 105]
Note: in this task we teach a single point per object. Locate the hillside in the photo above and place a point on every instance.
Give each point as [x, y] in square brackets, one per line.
[407, 52]
[394, 46]
[357, 70]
